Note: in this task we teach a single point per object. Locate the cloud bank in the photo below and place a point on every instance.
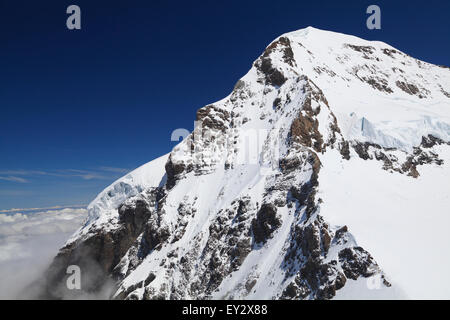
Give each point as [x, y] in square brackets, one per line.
[28, 243]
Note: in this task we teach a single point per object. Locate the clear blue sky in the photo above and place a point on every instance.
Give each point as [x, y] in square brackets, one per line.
[79, 108]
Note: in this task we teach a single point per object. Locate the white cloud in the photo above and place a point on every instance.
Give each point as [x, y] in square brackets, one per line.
[14, 179]
[13, 210]
[22, 172]
[101, 173]
[28, 243]
[114, 169]
[4, 218]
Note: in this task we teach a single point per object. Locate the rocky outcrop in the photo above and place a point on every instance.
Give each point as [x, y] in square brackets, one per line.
[389, 156]
[265, 223]
[305, 128]
[272, 74]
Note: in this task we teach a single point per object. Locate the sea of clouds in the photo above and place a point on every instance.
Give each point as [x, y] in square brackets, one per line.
[28, 243]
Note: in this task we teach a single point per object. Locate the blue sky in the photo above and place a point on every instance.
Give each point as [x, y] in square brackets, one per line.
[80, 108]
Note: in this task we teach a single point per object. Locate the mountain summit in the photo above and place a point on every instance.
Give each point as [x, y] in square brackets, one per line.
[324, 174]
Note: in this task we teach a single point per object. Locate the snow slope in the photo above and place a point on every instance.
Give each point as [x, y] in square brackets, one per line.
[102, 211]
[148, 175]
[403, 222]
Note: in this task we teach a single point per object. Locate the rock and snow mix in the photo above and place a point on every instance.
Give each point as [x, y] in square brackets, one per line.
[324, 174]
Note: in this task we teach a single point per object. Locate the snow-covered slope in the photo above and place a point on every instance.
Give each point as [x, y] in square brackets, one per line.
[149, 175]
[402, 222]
[313, 179]
[102, 211]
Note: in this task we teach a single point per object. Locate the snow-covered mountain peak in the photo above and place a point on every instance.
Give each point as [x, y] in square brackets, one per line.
[401, 97]
[239, 208]
[319, 37]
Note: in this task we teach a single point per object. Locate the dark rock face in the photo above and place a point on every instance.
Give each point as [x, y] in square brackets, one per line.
[284, 45]
[288, 165]
[356, 262]
[419, 156]
[407, 87]
[265, 223]
[173, 171]
[361, 150]
[272, 75]
[305, 194]
[218, 121]
[305, 128]
[154, 236]
[96, 256]
[444, 92]
[314, 278]
[228, 244]
[410, 166]
[376, 81]
[431, 141]
[213, 123]
[390, 52]
[134, 217]
[366, 50]
[345, 150]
